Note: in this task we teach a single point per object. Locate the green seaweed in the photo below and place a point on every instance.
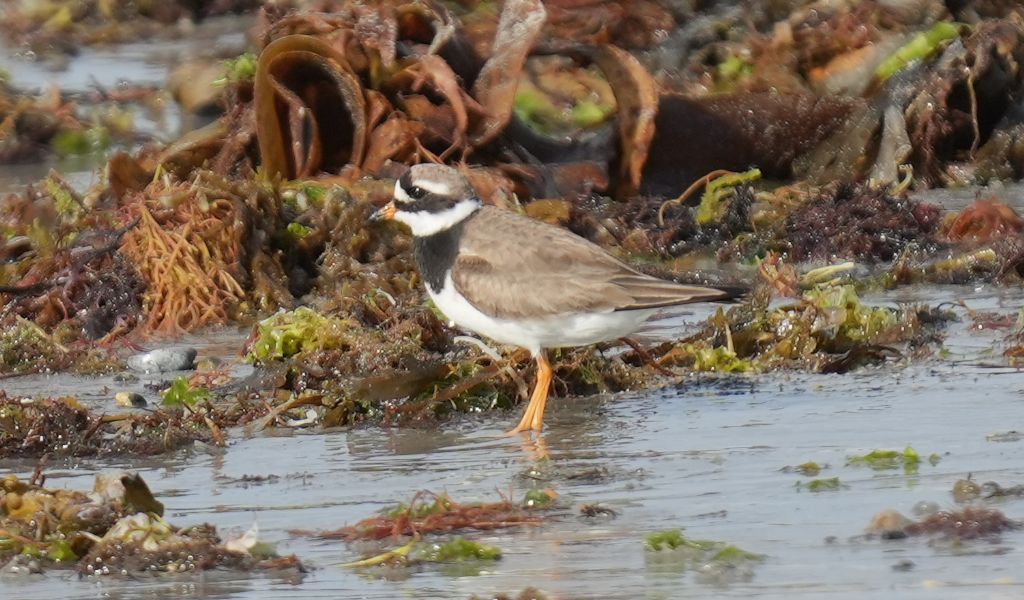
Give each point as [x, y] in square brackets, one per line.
[880, 460]
[458, 549]
[542, 114]
[830, 484]
[182, 394]
[90, 140]
[288, 333]
[60, 551]
[841, 312]
[240, 68]
[712, 202]
[734, 68]
[538, 498]
[719, 360]
[810, 469]
[66, 204]
[587, 114]
[735, 554]
[920, 47]
[297, 231]
[671, 539]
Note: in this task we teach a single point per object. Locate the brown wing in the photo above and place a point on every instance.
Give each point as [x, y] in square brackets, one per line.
[533, 269]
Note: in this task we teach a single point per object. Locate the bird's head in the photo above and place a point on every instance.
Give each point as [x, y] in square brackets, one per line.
[430, 199]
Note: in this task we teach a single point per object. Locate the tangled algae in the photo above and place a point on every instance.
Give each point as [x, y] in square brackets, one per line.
[64, 427]
[826, 321]
[192, 245]
[429, 513]
[116, 529]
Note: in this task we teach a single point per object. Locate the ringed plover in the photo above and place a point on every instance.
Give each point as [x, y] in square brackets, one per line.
[520, 281]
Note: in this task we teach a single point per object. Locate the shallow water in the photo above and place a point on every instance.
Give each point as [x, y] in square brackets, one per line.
[704, 455]
[108, 67]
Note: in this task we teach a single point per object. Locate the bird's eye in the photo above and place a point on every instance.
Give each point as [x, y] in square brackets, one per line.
[415, 192]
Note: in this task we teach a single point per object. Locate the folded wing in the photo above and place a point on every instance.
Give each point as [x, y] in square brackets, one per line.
[545, 271]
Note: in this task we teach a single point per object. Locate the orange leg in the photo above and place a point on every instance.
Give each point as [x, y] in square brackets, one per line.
[533, 418]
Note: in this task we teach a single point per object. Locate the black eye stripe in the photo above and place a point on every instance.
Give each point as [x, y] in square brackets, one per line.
[415, 192]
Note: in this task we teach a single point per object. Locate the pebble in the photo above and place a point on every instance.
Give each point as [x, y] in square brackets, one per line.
[130, 399]
[163, 360]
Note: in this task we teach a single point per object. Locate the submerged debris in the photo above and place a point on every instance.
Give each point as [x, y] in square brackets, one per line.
[820, 485]
[713, 562]
[808, 469]
[966, 524]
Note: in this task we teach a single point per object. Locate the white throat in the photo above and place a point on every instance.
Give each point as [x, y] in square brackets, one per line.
[423, 223]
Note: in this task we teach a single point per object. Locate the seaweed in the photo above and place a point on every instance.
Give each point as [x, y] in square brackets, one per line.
[921, 46]
[908, 458]
[966, 524]
[428, 513]
[808, 469]
[180, 393]
[712, 561]
[830, 484]
[858, 223]
[671, 539]
[817, 332]
[115, 529]
[64, 427]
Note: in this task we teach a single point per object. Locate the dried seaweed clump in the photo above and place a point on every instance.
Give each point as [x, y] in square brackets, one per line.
[146, 543]
[25, 348]
[341, 345]
[338, 364]
[966, 524]
[61, 268]
[827, 329]
[197, 247]
[116, 529]
[30, 124]
[859, 223]
[430, 513]
[63, 427]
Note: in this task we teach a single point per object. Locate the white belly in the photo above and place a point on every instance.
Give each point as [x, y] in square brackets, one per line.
[572, 329]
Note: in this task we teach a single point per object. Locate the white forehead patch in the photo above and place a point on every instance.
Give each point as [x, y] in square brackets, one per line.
[424, 223]
[400, 196]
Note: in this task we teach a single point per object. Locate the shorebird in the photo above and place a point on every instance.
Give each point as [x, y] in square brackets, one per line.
[520, 281]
